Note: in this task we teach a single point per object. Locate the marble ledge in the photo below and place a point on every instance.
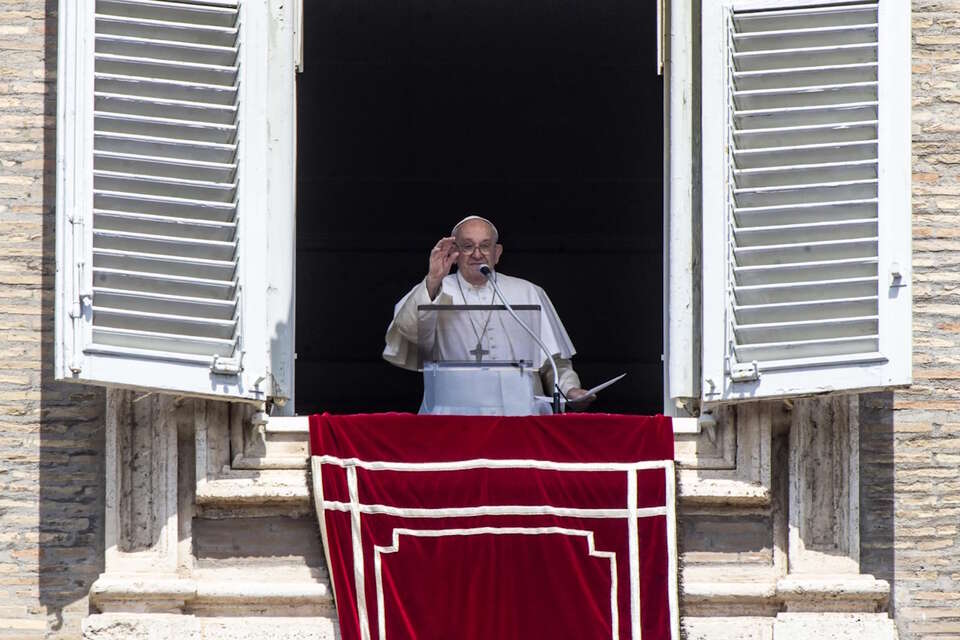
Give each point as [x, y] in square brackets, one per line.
[764, 592]
[117, 592]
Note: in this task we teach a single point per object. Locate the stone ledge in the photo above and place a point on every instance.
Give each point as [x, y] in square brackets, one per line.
[791, 626]
[154, 626]
[835, 626]
[766, 595]
[716, 598]
[257, 488]
[726, 627]
[285, 486]
[720, 492]
[853, 593]
[123, 593]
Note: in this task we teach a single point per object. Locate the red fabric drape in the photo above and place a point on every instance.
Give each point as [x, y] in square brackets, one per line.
[472, 527]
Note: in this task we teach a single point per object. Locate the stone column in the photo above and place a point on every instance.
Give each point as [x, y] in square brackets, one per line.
[142, 528]
[823, 592]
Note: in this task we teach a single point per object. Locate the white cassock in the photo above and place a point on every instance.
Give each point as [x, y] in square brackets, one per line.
[461, 338]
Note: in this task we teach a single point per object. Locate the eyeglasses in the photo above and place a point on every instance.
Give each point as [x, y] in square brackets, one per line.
[468, 247]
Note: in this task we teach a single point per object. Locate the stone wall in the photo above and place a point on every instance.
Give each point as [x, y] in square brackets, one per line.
[925, 427]
[51, 436]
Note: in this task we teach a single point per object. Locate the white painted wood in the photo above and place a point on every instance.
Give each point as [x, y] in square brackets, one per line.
[280, 299]
[176, 145]
[681, 330]
[805, 197]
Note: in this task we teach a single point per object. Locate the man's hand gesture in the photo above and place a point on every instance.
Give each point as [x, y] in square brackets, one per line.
[442, 257]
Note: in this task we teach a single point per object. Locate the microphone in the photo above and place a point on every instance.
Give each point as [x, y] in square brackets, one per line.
[488, 272]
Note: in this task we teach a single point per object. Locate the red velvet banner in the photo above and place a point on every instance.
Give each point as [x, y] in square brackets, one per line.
[472, 527]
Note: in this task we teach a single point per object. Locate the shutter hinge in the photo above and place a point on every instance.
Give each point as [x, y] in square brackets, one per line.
[227, 366]
[744, 371]
[85, 299]
[273, 392]
[896, 276]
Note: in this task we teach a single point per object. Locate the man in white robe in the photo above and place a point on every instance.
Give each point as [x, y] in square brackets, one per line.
[473, 243]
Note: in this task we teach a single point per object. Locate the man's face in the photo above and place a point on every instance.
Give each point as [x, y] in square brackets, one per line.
[477, 246]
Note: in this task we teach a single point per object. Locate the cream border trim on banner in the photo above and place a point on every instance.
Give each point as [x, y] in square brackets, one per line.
[378, 551]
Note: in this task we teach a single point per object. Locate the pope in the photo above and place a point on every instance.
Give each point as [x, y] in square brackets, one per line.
[473, 242]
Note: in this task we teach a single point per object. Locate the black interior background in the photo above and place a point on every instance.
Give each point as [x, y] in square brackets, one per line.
[542, 115]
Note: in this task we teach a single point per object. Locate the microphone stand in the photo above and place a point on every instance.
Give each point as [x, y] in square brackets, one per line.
[488, 273]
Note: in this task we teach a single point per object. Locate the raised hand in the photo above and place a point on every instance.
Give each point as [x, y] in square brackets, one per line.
[442, 257]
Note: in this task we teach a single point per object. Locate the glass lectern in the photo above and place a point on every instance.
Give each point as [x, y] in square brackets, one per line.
[478, 360]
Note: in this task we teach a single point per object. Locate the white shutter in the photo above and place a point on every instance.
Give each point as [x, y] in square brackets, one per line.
[161, 164]
[806, 211]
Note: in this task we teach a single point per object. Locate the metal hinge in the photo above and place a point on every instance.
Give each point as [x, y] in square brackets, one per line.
[896, 276]
[84, 299]
[227, 366]
[744, 371]
[273, 392]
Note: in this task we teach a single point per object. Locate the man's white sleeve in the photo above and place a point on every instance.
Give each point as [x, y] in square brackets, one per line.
[401, 338]
[568, 377]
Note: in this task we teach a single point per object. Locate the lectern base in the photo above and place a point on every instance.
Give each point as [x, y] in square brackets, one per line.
[481, 391]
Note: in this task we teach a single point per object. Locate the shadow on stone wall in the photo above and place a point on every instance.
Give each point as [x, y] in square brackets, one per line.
[876, 487]
[71, 473]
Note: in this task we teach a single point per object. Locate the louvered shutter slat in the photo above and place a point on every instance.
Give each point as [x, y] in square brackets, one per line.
[192, 130]
[773, 195]
[160, 88]
[163, 226]
[147, 343]
[183, 150]
[805, 154]
[192, 72]
[816, 232]
[163, 283]
[805, 212]
[806, 135]
[807, 17]
[166, 50]
[166, 81]
[779, 78]
[753, 35]
[805, 174]
[165, 323]
[799, 291]
[809, 351]
[798, 116]
[166, 109]
[804, 330]
[819, 95]
[164, 205]
[171, 246]
[162, 265]
[804, 272]
[814, 56]
[160, 303]
[173, 11]
[186, 32]
[806, 310]
[161, 185]
[165, 167]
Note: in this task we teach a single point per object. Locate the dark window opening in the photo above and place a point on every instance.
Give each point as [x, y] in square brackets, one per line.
[545, 117]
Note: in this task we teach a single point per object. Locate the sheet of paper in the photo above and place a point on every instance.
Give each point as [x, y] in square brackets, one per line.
[597, 389]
